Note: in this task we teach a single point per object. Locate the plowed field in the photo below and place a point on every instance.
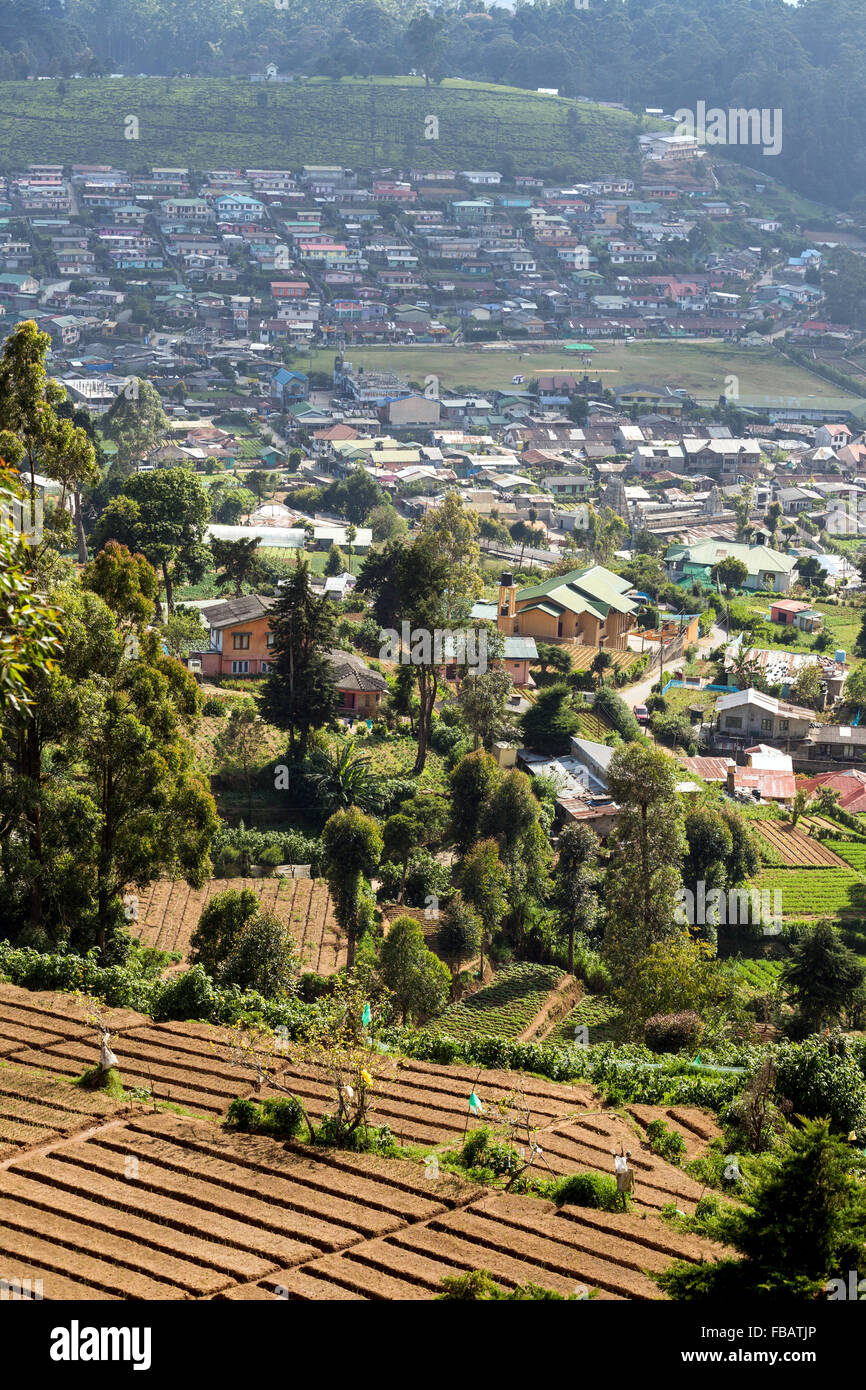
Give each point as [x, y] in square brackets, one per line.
[152, 1206]
[169, 910]
[795, 848]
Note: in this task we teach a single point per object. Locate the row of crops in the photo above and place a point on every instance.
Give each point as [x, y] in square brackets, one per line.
[504, 1007]
[815, 892]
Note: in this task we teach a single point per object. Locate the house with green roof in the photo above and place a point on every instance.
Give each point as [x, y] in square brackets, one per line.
[766, 568]
[590, 606]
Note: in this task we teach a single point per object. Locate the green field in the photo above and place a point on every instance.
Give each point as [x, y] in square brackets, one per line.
[503, 1008]
[594, 1012]
[354, 121]
[699, 367]
[815, 892]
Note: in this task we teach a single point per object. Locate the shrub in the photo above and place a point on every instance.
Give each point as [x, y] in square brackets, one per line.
[187, 996]
[673, 1032]
[665, 1142]
[821, 1077]
[474, 1147]
[588, 1190]
[281, 1117]
[214, 706]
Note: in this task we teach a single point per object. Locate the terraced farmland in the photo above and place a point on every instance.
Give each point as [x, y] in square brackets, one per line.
[790, 846]
[505, 1007]
[113, 1200]
[208, 123]
[852, 851]
[169, 910]
[758, 976]
[815, 892]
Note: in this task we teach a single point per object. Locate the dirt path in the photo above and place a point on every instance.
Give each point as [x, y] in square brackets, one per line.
[558, 1003]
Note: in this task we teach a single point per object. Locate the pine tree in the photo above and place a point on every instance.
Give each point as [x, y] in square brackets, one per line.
[299, 695]
[823, 975]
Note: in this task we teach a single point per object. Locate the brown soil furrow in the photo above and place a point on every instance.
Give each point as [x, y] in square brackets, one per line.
[40, 1197]
[575, 1235]
[581, 1265]
[297, 1184]
[56, 1287]
[369, 1281]
[51, 1256]
[507, 1266]
[275, 1207]
[69, 1061]
[300, 1284]
[80, 1237]
[234, 1238]
[558, 1003]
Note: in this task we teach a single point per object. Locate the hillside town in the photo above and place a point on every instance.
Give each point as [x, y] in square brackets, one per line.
[432, 740]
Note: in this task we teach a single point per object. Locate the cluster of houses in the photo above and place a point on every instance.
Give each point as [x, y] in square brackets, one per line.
[328, 255]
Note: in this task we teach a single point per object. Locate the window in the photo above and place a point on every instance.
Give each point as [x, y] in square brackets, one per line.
[271, 639]
[266, 666]
[766, 726]
[784, 724]
[733, 721]
[240, 668]
[241, 641]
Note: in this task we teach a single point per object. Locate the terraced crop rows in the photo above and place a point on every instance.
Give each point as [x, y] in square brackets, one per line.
[158, 1207]
[503, 1008]
[796, 849]
[815, 891]
[169, 910]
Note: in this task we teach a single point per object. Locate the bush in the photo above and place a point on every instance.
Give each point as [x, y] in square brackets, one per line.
[426, 878]
[595, 1190]
[821, 1077]
[234, 851]
[264, 958]
[665, 1142]
[186, 996]
[281, 1117]
[673, 1032]
[215, 706]
[474, 1147]
[617, 713]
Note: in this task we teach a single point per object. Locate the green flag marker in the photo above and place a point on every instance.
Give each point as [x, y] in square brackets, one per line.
[366, 1016]
[698, 1060]
[475, 1105]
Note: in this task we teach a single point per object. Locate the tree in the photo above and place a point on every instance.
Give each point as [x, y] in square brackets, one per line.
[822, 975]
[299, 694]
[459, 936]
[855, 685]
[401, 834]
[772, 520]
[454, 530]
[231, 503]
[549, 654]
[408, 584]
[221, 924]
[742, 506]
[575, 884]
[264, 958]
[473, 781]
[550, 723]
[484, 883]
[30, 630]
[342, 778]
[336, 561]
[240, 745]
[731, 573]
[423, 42]
[601, 664]
[163, 514]
[34, 436]
[482, 698]
[125, 582]
[352, 845]
[646, 851]
[807, 687]
[136, 422]
[676, 975]
[109, 794]
[386, 523]
[804, 1226]
[183, 632]
[419, 981]
[238, 563]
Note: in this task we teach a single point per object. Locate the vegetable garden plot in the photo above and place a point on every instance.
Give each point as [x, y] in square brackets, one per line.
[816, 891]
[168, 914]
[503, 1008]
[795, 848]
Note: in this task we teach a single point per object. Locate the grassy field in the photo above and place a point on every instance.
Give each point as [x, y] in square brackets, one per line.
[699, 367]
[841, 620]
[354, 121]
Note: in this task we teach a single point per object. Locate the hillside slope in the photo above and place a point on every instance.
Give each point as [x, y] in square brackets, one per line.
[208, 123]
